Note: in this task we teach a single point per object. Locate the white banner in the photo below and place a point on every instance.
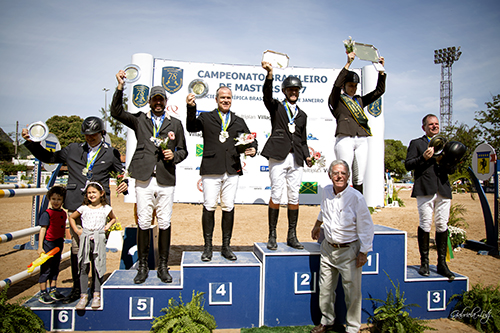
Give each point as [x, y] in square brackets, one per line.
[246, 84]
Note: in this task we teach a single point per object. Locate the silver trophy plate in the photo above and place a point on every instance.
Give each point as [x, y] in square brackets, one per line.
[368, 52]
[38, 131]
[276, 59]
[132, 73]
[198, 87]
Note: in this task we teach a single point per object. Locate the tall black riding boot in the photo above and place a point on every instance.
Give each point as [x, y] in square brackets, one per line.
[272, 214]
[423, 247]
[358, 187]
[292, 241]
[163, 251]
[227, 232]
[207, 223]
[75, 291]
[142, 254]
[442, 247]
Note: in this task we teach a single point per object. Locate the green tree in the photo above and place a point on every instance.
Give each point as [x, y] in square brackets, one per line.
[115, 125]
[489, 122]
[395, 155]
[469, 136]
[66, 128]
[118, 143]
[6, 151]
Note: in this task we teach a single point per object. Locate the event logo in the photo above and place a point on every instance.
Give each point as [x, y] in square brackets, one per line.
[309, 188]
[483, 162]
[375, 109]
[199, 150]
[310, 136]
[172, 78]
[173, 109]
[140, 95]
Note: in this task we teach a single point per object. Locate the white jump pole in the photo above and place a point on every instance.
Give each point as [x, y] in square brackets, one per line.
[18, 234]
[22, 192]
[24, 274]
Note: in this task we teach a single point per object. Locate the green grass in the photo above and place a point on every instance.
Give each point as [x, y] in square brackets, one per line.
[289, 329]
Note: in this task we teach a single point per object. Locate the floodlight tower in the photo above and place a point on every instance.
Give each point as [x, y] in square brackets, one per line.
[446, 57]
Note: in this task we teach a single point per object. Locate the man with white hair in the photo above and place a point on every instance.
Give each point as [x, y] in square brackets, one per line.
[348, 229]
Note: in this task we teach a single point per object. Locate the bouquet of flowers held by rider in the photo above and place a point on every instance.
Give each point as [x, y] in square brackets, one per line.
[163, 143]
[120, 177]
[318, 159]
[243, 141]
[349, 45]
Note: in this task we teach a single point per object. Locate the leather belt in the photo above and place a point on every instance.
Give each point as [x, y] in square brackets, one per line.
[337, 246]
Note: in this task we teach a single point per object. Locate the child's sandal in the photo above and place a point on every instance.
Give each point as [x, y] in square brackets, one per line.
[82, 303]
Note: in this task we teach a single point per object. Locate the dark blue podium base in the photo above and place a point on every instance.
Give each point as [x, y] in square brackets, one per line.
[263, 287]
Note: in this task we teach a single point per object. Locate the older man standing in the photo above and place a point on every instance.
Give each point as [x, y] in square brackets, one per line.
[348, 229]
[433, 192]
[92, 160]
[161, 145]
[220, 166]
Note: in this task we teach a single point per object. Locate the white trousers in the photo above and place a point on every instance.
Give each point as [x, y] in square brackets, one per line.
[219, 186]
[152, 196]
[347, 148]
[285, 171]
[335, 261]
[437, 205]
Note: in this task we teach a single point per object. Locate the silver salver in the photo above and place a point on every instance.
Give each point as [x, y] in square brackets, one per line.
[199, 88]
[38, 131]
[132, 72]
[276, 59]
[368, 52]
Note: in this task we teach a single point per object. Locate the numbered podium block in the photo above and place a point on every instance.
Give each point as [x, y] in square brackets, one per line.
[232, 288]
[290, 284]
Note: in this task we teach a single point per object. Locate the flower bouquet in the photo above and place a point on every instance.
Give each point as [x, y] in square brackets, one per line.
[318, 159]
[120, 177]
[243, 141]
[163, 143]
[349, 45]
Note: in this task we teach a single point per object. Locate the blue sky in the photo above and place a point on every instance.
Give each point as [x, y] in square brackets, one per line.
[57, 56]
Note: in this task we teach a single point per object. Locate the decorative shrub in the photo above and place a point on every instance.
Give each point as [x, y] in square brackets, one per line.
[479, 307]
[392, 316]
[15, 318]
[192, 317]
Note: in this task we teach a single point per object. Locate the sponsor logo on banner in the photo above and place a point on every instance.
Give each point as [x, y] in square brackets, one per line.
[200, 111]
[199, 150]
[309, 188]
[172, 78]
[173, 109]
[483, 162]
[50, 145]
[199, 185]
[264, 168]
[310, 136]
[375, 109]
[140, 95]
[268, 188]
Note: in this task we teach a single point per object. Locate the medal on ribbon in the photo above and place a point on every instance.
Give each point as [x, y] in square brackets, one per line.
[224, 134]
[291, 117]
[87, 171]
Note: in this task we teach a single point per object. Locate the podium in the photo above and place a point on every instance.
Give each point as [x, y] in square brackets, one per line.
[263, 287]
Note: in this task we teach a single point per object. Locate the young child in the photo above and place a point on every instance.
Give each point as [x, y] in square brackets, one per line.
[53, 228]
[94, 213]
